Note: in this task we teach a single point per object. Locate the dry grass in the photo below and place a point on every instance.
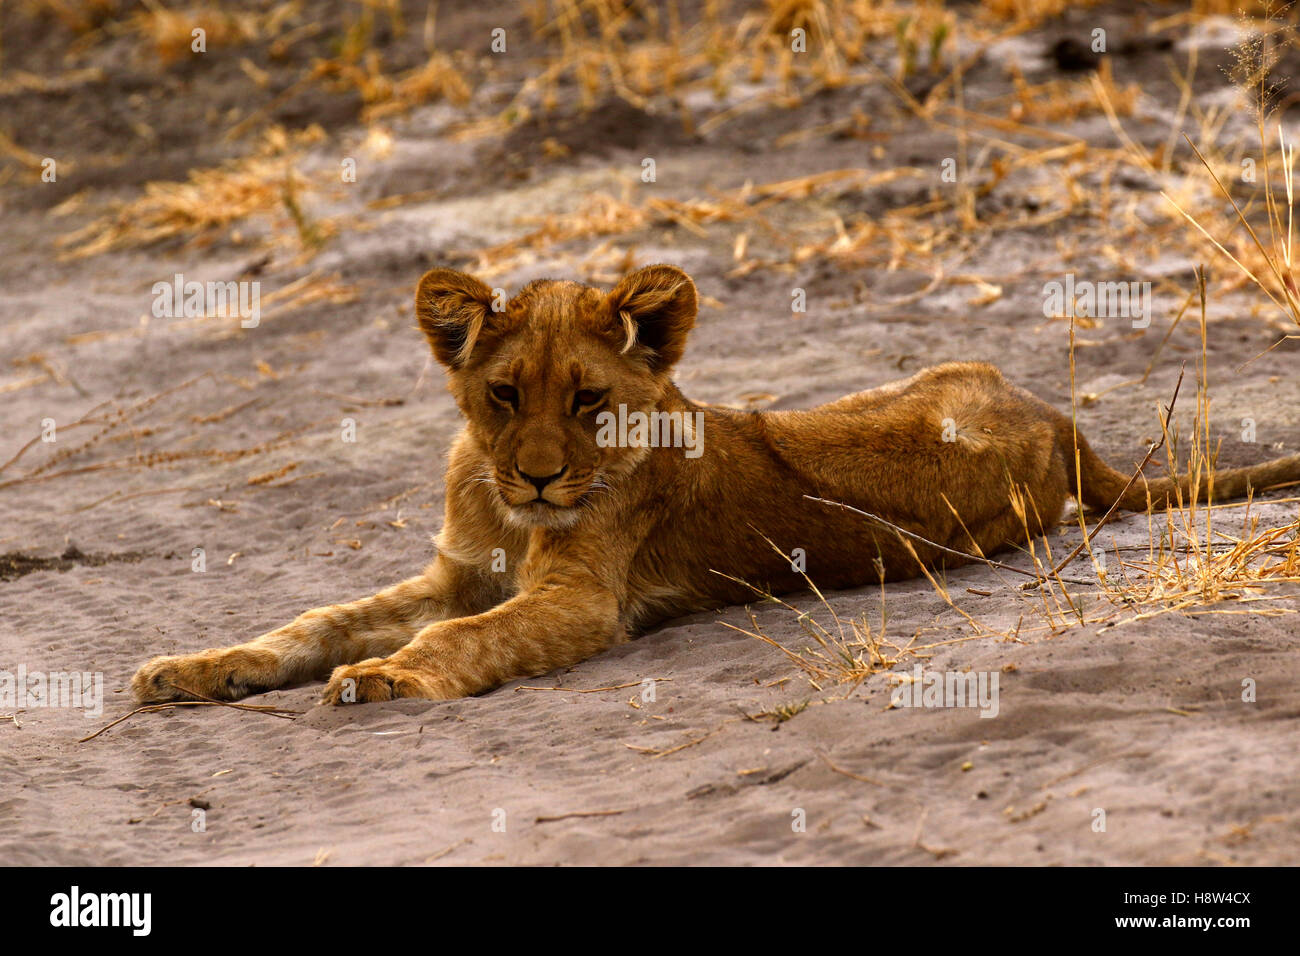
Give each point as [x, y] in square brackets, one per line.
[649, 56]
[266, 186]
[359, 66]
[1257, 183]
[849, 651]
[1192, 562]
[639, 51]
[170, 33]
[601, 216]
[596, 47]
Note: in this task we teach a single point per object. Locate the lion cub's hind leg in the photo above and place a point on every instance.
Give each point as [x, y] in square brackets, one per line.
[1015, 474]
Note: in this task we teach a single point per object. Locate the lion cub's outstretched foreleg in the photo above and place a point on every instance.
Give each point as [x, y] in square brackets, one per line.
[312, 645]
[563, 614]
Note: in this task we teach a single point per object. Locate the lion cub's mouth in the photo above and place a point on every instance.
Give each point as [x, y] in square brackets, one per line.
[545, 512]
[542, 505]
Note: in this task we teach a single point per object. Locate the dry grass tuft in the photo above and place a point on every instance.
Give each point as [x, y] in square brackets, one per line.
[170, 33]
[359, 66]
[849, 652]
[265, 186]
[1266, 261]
[1192, 562]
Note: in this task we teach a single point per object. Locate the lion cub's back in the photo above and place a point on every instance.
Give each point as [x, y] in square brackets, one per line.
[889, 442]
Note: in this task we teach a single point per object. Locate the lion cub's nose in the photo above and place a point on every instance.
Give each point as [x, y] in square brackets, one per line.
[541, 481]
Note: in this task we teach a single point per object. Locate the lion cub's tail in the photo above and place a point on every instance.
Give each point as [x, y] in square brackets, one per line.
[1103, 485]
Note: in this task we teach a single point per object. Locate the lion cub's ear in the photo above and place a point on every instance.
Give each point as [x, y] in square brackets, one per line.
[452, 308]
[655, 307]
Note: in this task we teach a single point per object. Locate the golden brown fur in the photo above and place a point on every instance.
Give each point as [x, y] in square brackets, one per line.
[555, 547]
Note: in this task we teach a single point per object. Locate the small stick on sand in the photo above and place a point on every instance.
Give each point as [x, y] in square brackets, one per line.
[445, 850]
[848, 773]
[580, 813]
[267, 709]
[656, 754]
[596, 690]
[939, 852]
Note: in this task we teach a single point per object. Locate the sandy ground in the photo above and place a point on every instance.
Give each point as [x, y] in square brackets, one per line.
[1141, 719]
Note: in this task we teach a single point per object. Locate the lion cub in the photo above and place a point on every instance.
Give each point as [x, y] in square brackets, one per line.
[614, 498]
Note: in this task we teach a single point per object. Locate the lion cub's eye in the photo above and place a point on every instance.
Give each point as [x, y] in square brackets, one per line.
[506, 394]
[586, 398]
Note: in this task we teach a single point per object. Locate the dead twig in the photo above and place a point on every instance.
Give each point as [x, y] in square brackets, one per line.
[848, 773]
[267, 709]
[579, 813]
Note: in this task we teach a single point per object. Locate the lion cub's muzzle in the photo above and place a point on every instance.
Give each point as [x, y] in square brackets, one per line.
[542, 498]
[553, 501]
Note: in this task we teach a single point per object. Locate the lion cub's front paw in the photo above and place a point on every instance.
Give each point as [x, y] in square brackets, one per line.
[382, 679]
[219, 674]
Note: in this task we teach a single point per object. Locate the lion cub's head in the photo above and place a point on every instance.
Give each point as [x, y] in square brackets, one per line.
[532, 376]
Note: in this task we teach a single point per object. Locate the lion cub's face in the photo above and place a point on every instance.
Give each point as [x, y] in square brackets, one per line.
[531, 378]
